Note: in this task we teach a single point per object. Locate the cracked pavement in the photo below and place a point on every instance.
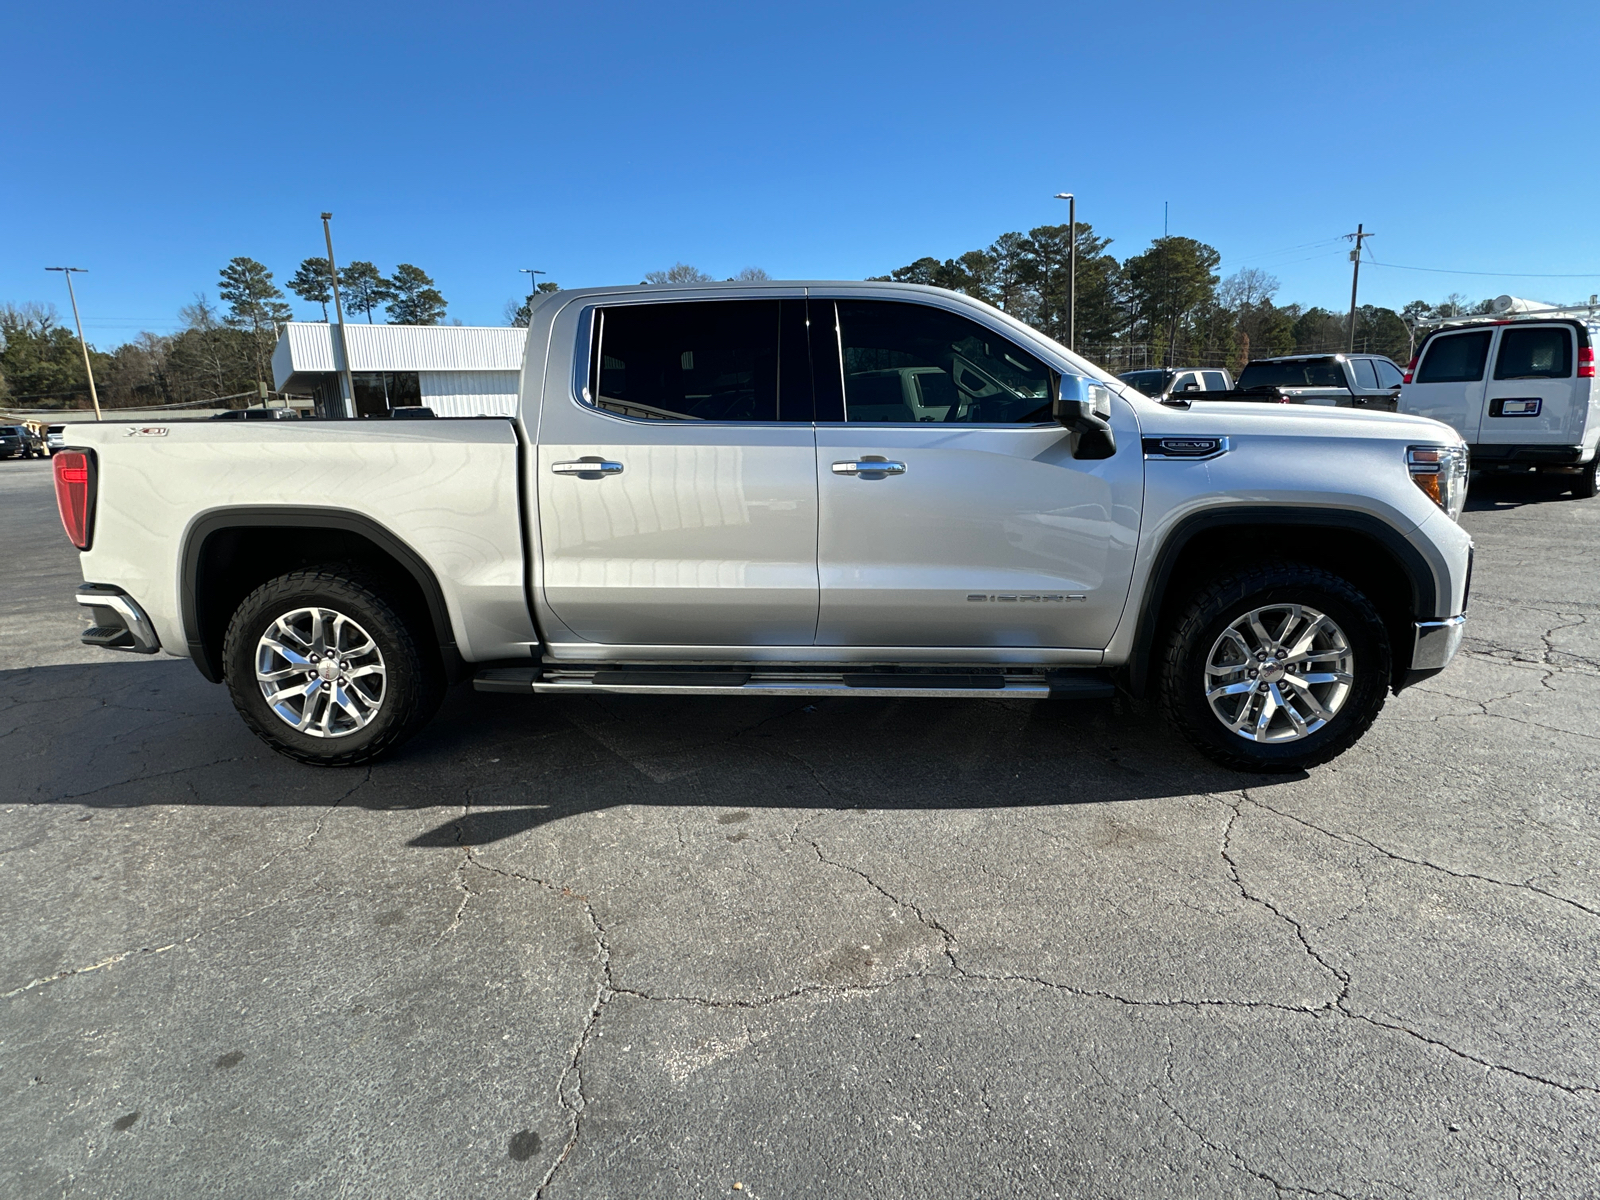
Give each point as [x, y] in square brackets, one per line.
[656, 947]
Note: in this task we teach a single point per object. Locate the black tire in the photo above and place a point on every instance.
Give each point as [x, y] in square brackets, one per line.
[1229, 598]
[413, 681]
[1586, 486]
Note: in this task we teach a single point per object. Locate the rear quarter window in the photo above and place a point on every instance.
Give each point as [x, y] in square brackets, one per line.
[1455, 358]
[1534, 354]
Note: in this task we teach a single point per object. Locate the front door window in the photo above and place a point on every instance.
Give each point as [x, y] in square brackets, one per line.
[910, 364]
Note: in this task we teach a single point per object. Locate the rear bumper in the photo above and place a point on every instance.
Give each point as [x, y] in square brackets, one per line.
[119, 622]
[1488, 456]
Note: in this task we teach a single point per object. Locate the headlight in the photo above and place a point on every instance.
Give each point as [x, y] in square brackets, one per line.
[1441, 472]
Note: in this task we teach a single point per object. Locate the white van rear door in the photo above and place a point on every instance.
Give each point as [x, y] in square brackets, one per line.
[1531, 393]
[1449, 381]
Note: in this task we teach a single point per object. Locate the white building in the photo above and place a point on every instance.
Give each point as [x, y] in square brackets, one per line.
[455, 370]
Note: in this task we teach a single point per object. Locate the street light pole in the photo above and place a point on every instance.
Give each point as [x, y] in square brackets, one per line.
[338, 311]
[78, 321]
[1072, 268]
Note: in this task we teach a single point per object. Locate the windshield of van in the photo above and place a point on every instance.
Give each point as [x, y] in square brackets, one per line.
[1304, 373]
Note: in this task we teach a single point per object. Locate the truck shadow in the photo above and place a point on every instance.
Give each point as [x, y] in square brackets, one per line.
[1498, 493]
[132, 733]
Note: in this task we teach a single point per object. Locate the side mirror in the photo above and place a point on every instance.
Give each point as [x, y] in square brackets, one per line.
[1084, 407]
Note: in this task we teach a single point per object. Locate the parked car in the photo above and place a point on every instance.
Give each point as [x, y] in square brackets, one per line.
[727, 490]
[1368, 381]
[18, 441]
[257, 414]
[52, 437]
[1536, 409]
[1170, 384]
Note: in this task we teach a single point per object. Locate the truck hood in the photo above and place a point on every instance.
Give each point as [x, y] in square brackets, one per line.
[1241, 418]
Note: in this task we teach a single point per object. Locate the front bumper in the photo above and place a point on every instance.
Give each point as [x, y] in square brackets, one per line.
[1436, 643]
[119, 622]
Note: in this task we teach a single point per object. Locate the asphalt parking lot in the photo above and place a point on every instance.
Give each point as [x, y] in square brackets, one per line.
[698, 948]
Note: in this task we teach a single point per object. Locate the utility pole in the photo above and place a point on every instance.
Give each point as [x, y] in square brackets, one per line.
[78, 321]
[1072, 268]
[1355, 278]
[338, 311]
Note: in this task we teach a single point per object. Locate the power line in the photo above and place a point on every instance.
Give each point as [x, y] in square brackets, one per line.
[1496, 274]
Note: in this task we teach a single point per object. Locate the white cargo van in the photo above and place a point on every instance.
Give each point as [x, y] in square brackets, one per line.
[1519, 388]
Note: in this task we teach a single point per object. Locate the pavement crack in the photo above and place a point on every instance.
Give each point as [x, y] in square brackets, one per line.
[1278, 1186]
[1358, 840]
[933, 923]
[1571, 1089]
[571, 1096]
[109, 960]
[1299, 931]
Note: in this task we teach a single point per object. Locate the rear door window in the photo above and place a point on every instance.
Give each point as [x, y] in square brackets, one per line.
[1534, 354]
[1455, 358]
[1388, 374]
[1216, 381]
[712, 360]
[908, 363]
[1366, 373]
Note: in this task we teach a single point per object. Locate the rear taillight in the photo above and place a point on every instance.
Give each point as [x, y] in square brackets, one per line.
[1585, 362]
[1411, 370]
[74, 471]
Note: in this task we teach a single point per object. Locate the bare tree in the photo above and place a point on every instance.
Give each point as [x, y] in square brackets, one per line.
[678, 273]
[1247, 288]
[749, 275]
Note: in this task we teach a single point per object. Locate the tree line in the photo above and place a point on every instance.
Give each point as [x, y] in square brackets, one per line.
[1167, 306]
[222, 352]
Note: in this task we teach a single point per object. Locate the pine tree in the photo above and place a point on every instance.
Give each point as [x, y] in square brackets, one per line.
[311, 282]
[413, 298]
[365, 288]
[255, 306]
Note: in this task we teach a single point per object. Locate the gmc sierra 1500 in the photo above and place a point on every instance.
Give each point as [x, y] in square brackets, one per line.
[821, 489]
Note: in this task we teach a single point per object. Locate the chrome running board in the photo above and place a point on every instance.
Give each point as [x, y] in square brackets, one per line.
[1033, 685]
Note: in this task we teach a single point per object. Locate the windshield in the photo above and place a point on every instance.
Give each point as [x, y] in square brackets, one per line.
[1309, 372]
[1151, 383]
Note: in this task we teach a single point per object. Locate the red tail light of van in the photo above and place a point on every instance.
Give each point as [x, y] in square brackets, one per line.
[74, 472]
[1411, 370]
[1585, 362]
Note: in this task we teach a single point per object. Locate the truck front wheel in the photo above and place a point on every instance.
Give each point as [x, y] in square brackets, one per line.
[1276, 667]
[326, 671]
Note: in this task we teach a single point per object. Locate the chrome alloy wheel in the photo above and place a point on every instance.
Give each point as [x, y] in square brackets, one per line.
[320, 672]
[1279, 673]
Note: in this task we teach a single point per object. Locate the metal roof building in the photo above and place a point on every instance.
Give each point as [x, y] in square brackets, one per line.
[456, 370]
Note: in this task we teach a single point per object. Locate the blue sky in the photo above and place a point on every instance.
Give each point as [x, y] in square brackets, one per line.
[600, 141]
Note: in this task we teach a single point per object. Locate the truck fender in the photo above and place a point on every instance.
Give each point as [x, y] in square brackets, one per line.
[207, 655]
[1153, 602]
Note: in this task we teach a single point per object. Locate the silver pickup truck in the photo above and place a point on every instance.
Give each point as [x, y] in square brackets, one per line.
[821, 489]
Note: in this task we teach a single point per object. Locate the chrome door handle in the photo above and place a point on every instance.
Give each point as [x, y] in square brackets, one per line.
[869, 466]
[587, 468]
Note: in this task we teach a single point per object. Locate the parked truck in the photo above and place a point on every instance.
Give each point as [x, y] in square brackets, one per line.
[826, 489]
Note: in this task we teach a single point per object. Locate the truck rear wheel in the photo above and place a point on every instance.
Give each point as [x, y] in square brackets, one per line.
[1276, 667]
[326, 671]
